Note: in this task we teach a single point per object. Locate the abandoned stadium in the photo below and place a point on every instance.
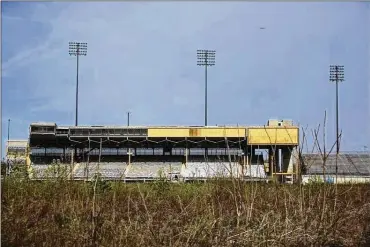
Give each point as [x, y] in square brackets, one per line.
[179, 154]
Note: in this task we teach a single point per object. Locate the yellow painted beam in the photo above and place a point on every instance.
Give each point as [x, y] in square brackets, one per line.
[273, 136]
[216, 132]
[168, 132]
[223, 132]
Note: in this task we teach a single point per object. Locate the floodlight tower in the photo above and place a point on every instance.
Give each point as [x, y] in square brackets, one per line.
[206, 58]
[8, 129]
[128, 118]
[7, 151]
[337, 75]
[77, 49]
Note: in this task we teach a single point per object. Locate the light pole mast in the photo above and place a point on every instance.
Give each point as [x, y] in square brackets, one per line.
[7, 151]
[8, 129]
[206, 58]
[337, 75]
[77, 49]
[128, 118]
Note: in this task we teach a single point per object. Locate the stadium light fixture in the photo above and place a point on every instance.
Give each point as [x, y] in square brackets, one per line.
[77, 49]
[336, 75]
[206, 58]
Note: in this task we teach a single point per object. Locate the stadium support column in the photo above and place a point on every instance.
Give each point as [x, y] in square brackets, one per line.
[129, 156]
[336, 75]
[271, 161]
[245, 158]
[186, 156]
[101, 143]
[287, 161]
[250, 162]
[274, 157]
[88, 161]
[71, 166]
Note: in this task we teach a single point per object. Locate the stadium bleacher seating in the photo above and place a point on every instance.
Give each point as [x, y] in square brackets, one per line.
[210, 170]
[112, 170]
[41, 171]
[152, 169]
[348, 164]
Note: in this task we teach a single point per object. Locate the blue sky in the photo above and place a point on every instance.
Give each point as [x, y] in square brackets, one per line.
[142, 58]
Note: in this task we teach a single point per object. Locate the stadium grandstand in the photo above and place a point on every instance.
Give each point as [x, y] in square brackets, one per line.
[180, 154]
[16, 150]
[16, 153]
[175, 153]
[348, 167]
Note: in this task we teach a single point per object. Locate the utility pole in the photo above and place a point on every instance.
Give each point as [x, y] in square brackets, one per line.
[206, 58]
[128, 118]
[337, 75]
[77, 49]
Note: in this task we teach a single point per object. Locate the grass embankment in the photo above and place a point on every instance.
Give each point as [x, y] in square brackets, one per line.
[63, 213]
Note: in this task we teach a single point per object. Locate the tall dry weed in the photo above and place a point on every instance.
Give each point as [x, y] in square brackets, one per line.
[218, 213]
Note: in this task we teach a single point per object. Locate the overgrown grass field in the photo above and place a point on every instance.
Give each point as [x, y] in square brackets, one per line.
[217, 213]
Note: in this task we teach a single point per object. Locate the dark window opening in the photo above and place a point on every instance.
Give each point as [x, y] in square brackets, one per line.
[62, 131]
[43, 129]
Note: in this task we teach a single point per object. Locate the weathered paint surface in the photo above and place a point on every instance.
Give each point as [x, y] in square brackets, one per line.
[272, 136]
[197, 132]
[16, 149]
[170, 132]
[17, 143]
[223, 132]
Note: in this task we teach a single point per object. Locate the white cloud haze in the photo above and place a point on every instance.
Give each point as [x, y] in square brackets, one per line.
[142, 57]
